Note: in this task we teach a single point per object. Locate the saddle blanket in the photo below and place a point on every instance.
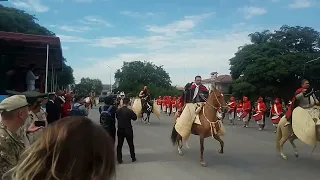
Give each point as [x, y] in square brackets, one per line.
[187, 118]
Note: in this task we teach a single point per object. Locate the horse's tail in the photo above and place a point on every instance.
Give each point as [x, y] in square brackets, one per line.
[174, 136]
[279, 136]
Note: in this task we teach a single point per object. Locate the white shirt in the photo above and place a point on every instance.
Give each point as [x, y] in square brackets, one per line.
[31, 78]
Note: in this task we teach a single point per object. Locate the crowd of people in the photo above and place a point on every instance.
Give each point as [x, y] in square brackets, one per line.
[39, 143]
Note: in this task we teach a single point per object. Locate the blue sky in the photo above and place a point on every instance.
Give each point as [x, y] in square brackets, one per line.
[187, 37]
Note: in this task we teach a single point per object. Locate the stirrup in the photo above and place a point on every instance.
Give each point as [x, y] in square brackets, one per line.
[287, 123]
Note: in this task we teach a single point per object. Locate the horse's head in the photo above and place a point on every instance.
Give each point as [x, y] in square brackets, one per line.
[217, 99]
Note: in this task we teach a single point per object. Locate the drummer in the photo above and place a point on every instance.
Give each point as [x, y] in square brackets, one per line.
[304, 97]
[277, 112]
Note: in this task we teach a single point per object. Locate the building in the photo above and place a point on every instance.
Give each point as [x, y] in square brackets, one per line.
[221, 82]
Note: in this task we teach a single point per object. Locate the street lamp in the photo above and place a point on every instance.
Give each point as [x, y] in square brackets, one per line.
[304, 67]
[110, 79]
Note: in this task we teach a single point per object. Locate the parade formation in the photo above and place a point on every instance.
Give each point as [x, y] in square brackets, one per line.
[57, 125]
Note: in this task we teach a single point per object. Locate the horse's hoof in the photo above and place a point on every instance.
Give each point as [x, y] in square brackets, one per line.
[203, 164]
[220, 151]
[296, 154]
[284, 158]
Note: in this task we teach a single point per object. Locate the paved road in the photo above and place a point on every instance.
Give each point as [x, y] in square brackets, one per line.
[249, 155]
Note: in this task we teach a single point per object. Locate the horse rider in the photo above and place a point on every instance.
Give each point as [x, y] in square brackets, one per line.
[304, 97]
[197, 91]
[145, 97]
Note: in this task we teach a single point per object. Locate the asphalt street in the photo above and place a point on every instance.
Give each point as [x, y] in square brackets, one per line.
[249, 155]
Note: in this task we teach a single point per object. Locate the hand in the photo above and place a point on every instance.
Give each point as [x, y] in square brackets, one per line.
[304, 91]
[34, 128]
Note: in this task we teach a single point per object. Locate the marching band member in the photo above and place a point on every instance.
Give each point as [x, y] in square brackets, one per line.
[164, 106]
[180, 106]
[276, 112]
[174, 105]
[159, 103]
[239, 110]
[260, 110]
[168, 103]
[231, 111]
[246, 109]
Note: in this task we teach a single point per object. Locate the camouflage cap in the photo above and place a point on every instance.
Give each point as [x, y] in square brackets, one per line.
[13, 102]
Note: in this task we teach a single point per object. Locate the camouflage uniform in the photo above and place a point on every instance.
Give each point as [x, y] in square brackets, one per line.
[11, 147]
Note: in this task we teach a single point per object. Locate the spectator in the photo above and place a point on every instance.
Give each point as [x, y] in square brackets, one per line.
[108, 116]
[51, 109]
[14, 112]
[78, 109]
[31, 78]
[73, 148]
[124, 116]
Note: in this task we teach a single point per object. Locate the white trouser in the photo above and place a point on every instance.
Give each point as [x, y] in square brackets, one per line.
[260, 122]
[30, 87]
[231, 116]
[246, 119]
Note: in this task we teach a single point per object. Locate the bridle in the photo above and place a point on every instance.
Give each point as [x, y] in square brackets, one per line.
[212, 123]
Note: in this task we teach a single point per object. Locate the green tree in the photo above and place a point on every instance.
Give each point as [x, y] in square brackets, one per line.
[274, 63]
[134, 75]
[86, 85]
[16, 20]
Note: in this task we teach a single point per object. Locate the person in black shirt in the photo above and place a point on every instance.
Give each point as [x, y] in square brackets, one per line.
[108, 122]
[124, 116]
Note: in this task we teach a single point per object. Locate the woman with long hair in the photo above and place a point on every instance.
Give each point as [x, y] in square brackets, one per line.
[73, 148]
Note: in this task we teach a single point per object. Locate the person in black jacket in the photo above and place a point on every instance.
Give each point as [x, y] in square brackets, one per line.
[52, 109]
[124, 116]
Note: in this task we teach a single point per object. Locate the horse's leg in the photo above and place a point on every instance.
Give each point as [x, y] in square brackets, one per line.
[291, 139]
[282, 141]
[218, 138]
[179, 145]
[148, 118]
[202, 162]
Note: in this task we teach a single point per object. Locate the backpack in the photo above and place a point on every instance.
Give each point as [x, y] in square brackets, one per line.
[106, 117]
[76, 111]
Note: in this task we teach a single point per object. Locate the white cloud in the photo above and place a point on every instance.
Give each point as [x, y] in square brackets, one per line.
[183, 55]
[65, 48]
[31, 5]
[71, 39]
[138, 14]
[185, 25]
[93, 20]
[72, 28]
[296, 4]
[252, 11]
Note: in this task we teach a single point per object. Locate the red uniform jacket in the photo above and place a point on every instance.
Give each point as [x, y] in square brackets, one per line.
[246, 107]
[239, 107]
[66, 109]
[168, 103]
[293, 104]
[159, 101]
[174, 103]
[279, 109]
[262, 107]
[232, 106]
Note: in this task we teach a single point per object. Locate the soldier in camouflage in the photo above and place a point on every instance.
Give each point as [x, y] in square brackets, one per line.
[14, 112]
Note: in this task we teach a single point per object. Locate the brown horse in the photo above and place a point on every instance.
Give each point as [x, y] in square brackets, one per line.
[210, 125]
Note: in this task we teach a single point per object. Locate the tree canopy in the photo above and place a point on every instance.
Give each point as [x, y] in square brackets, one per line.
[275, 62]
[16, 20]
[134, 75]
[86, 85]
